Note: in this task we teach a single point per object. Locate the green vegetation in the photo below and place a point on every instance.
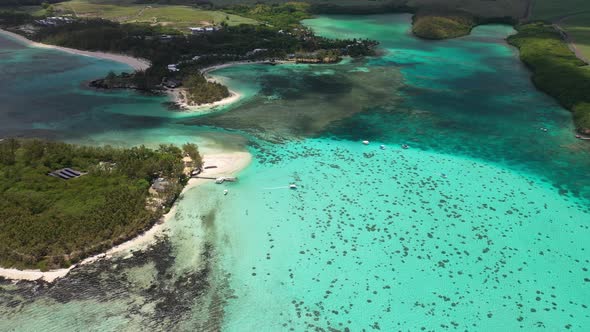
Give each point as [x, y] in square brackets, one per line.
[435, 26]
[192, 150]
[48, 222]
[200, 91]
[556, 70]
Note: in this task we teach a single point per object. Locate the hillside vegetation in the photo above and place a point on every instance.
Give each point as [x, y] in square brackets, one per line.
[556, 70]
[48, 222]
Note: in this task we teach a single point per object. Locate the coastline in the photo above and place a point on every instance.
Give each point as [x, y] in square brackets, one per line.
[228, 164]
[178, 98]
[135, 63]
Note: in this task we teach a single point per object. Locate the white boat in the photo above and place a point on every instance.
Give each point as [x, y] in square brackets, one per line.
[293, 186]
[366, 142]
[225, 192]
[382, 147]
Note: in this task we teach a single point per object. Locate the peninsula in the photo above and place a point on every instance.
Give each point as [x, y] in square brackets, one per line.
[62, 203]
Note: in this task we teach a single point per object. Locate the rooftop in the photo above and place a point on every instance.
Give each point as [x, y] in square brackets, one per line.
[66, 173]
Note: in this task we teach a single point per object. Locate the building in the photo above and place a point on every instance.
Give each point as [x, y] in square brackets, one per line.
[66, 173]
[171, 83]
[54, 21]
[200, 30]
[196, 31]
[255, 51]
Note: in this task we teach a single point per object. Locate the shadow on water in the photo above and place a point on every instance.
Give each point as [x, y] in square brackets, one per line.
[295, 102]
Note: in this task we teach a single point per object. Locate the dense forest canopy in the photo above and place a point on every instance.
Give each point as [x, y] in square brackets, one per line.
[46, 221]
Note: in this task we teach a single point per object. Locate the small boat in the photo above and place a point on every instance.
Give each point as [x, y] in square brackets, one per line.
[366, 142]
[225, 192]
[405, 146]
[293, 186]
[444, 176]
[382, 147]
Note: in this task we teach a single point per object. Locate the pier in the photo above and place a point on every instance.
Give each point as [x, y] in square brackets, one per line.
[218, 180]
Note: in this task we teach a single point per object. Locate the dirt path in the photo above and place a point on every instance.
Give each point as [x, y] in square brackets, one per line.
[571, 43]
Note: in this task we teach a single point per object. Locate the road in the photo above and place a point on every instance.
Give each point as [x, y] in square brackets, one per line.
[571, 43]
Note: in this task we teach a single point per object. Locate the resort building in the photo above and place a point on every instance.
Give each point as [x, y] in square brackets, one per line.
[54, 21]
[196, 31]
[200, 30]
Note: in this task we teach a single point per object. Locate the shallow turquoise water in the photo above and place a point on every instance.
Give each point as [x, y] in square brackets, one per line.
[480, 225]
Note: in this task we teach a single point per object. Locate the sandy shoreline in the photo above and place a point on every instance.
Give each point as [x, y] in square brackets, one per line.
[177, 95]
[228, 164]
[135, 63]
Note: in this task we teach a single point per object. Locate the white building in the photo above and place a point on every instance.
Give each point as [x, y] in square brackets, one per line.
[196, 31]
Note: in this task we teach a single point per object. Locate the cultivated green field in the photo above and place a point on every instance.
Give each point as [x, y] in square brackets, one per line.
[126, 11]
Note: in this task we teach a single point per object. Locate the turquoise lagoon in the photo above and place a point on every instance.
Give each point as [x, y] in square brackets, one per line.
[481, 225]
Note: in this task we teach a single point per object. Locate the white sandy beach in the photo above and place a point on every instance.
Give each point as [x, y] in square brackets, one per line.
[177, 95]
[135, 63]
[228, 164]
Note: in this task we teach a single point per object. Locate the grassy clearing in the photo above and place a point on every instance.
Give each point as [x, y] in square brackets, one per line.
[556, 70]
[578, 27]
[179, 17]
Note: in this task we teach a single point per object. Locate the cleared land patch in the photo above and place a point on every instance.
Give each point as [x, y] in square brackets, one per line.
[179, 17]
